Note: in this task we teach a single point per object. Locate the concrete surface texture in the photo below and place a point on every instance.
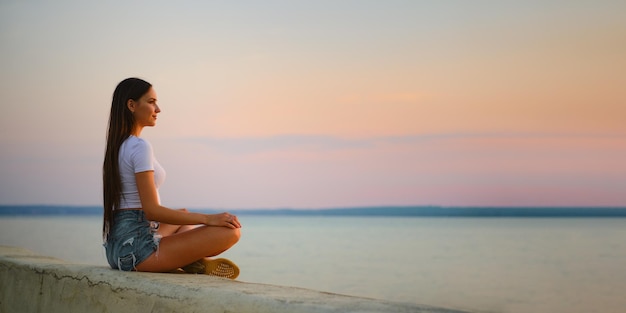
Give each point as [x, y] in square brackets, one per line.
[35, 283]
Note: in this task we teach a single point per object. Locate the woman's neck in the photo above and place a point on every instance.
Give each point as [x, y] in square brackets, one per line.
[137, 131]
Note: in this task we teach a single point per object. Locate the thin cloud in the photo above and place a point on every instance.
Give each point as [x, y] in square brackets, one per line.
[250, 145]
[319, 143]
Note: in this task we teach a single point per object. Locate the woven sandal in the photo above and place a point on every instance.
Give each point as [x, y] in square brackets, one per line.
[196, 267]
[220, 267]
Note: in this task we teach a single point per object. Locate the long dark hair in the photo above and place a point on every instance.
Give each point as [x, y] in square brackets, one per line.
[121, 124]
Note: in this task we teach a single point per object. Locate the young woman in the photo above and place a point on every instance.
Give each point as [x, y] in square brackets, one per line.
[140, 234]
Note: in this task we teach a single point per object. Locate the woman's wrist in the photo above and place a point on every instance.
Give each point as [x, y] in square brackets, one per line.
[206, 219]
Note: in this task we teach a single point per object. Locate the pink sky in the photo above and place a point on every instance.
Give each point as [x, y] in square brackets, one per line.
[323, 104]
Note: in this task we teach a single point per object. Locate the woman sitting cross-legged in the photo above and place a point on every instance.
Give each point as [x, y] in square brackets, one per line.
[139, 233]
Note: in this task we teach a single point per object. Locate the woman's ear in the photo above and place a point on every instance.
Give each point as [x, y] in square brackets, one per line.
[131, 105]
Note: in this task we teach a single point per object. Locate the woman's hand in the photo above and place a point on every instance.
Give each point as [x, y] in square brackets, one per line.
[223, 220]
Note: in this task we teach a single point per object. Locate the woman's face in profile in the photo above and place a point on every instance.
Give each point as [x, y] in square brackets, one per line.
[146, 109]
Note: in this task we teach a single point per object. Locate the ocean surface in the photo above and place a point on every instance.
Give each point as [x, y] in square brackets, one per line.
[476, 264]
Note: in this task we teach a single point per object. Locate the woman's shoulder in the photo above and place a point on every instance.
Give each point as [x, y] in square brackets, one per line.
[134, 142]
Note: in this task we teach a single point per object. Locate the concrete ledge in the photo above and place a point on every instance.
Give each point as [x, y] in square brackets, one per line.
[34, 283]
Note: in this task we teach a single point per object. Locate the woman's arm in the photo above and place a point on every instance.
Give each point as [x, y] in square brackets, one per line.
[156, 212]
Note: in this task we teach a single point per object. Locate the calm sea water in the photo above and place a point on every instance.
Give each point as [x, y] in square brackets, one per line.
[483, 265]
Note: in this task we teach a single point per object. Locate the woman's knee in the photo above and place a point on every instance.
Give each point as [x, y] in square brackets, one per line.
[235, 234]
[231, 237]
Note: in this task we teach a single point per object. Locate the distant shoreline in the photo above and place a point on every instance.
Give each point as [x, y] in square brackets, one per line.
[379, 211]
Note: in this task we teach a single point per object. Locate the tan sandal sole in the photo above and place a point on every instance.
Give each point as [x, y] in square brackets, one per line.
[221, 268]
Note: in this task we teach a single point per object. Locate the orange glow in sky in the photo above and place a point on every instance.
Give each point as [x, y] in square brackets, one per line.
[319, 104]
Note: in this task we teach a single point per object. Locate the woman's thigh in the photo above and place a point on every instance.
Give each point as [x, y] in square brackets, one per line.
[170, 229]
[183, 248]
[167, 229]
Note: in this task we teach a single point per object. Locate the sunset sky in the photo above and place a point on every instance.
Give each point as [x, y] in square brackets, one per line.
[314, 104]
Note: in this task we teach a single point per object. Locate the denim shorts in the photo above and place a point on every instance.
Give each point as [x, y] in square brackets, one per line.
[132, 239]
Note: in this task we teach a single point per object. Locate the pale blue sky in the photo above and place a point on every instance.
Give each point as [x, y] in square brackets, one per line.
[322, 103]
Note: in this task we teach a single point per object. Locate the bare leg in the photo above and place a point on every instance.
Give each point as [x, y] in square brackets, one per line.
[185, 228]
[170, 229]
[183, 248]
